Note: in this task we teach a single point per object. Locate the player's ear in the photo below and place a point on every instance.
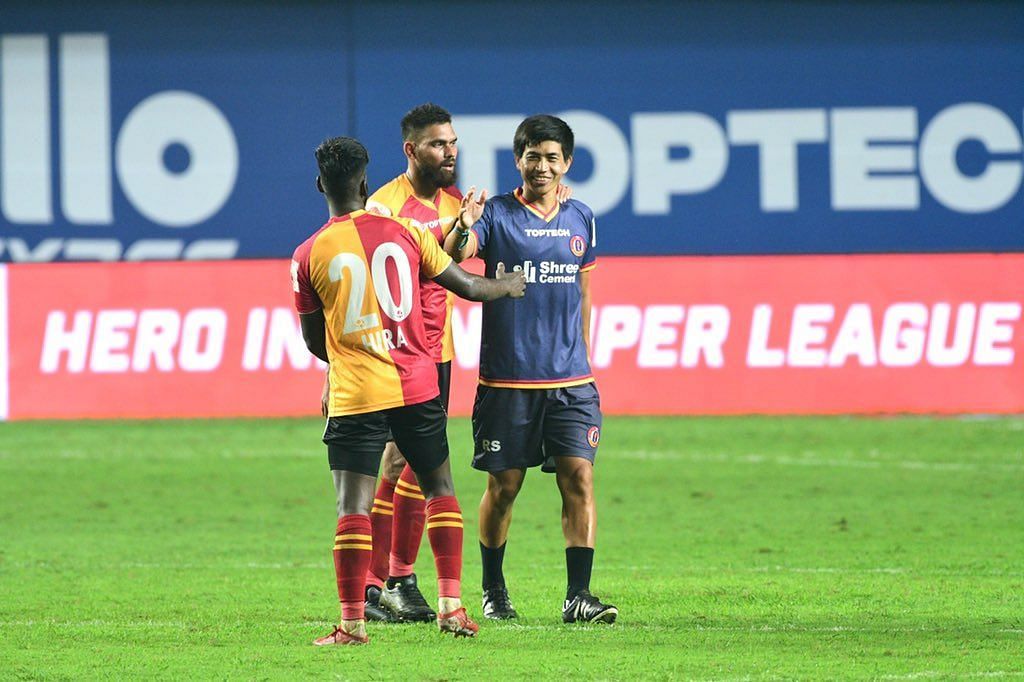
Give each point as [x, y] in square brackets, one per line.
[568, 164]
[364, 190]
[409, 148]
[319, 185]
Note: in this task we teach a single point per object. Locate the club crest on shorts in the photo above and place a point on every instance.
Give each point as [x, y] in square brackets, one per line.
[577, 245]
[594, 436]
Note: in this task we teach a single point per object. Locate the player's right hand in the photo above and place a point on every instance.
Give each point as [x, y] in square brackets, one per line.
[472, 207]
[515, 282]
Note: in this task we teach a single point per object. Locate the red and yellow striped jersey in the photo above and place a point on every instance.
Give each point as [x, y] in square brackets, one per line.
[365, 271]
[398, 198]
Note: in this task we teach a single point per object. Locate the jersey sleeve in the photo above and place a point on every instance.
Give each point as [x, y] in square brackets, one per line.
[590, 255]
[448, 209]
[306, 298]
[482, 228]
[433, 259]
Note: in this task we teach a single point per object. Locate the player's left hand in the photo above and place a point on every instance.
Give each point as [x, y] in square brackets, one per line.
[564, 193]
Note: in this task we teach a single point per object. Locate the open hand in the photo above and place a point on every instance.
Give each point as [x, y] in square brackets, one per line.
[472, 207]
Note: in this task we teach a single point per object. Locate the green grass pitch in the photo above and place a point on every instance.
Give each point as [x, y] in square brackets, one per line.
[735, 548]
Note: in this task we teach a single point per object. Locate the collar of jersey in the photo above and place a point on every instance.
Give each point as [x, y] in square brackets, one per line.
[546, 217]
[435, 204]
[347, 216]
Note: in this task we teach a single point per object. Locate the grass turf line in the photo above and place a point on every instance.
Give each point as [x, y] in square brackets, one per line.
[735, 548]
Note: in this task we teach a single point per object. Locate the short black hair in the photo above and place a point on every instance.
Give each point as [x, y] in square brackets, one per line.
[418, 118]
[342, 162]
[542, 128]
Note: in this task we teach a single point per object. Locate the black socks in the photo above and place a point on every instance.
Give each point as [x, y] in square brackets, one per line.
[578, 563]
[492, 560]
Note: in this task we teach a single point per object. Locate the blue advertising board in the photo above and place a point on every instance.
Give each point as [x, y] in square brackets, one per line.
[143, 132]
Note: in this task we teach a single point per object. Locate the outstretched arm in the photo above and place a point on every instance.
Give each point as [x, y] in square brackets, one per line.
[474, 288]
[314, 333]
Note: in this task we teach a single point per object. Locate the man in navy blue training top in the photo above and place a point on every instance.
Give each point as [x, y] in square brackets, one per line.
[537, 403]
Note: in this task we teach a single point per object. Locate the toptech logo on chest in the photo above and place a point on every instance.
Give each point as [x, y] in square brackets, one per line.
[163, 126]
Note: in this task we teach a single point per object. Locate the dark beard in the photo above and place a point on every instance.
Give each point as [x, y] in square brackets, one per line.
[438, 177]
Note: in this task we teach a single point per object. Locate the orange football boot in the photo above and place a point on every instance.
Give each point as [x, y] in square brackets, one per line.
[339, 636]
[458, 623]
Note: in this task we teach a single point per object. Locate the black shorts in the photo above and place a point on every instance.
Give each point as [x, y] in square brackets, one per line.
[517, 428]
[355, 442]
[444, 384]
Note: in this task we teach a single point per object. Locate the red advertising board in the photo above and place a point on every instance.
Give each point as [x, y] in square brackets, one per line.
[670, 335]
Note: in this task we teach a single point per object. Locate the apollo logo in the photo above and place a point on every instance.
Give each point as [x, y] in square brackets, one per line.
[90, 153]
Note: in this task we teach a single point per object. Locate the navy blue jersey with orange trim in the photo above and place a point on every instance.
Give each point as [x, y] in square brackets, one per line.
[536, 341]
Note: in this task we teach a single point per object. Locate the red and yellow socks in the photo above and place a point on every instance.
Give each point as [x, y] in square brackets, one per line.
[444, 530]
[407, 528]
[352, 549]
[381, 520]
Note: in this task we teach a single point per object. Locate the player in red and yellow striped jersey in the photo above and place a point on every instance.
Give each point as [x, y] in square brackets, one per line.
[356, 284]
[426, 194]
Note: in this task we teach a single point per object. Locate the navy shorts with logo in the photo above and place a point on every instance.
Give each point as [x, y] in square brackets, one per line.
[518, 428]
[356, 442]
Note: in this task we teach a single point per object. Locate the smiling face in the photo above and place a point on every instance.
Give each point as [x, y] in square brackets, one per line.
[542, 166]
[433, 154]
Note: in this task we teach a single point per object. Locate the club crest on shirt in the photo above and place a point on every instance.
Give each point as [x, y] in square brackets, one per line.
[577, 245]
[594, 436]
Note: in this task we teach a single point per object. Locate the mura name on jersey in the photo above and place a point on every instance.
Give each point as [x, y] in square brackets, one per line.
[548, 272]
[383, 340]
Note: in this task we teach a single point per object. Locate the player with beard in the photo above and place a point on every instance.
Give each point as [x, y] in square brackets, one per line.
[426, 194]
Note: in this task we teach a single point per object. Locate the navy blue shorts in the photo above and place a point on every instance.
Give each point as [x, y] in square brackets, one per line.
[518, 428]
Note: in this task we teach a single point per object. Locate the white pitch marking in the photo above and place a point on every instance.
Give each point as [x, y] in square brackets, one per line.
[815, 461]
[181, 624]
[682, 570]
[926, 674]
